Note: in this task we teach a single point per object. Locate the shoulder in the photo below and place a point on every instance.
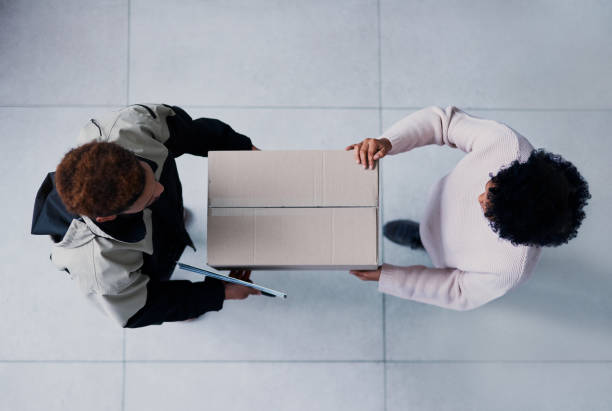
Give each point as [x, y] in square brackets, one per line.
[146, 120]
[100, 264]
[519, 266]
[113, 266]
[140, 129]
[488, 135]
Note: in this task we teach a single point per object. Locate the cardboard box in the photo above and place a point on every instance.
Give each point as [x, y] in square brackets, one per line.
[291, 209]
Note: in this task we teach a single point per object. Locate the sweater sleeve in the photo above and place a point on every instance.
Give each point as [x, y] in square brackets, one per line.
[178, 300]
[443, 287]
[202, 135]
[450, 126]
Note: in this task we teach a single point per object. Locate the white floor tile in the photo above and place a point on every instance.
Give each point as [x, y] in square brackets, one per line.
[297, 129]
[311, 55]
[272, 386]
[270, 53]
[499, 387]
[328, 315]
[48, 318]
[406, 180]
[271, 129]
[61, 386]
[496, 54]
[68, 52]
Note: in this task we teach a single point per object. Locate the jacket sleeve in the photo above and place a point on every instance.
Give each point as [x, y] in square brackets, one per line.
[202, 135]
[451, 127]
[134, 299]
[178, 300]
[444, 287]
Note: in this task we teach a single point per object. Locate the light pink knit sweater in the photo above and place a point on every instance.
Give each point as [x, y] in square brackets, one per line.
[472, 264]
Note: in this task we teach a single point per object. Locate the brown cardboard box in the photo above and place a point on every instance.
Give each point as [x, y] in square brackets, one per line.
[291, 209]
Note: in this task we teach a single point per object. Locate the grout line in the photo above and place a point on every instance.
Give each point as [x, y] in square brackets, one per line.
[380, 202]
[306, 361]
[214, 106]
[123, 373]
[380, 104]
[186, 361]
[284, 207]
[62, 106]
[127, 73]
[298, 107]
[60, 361]
[282, 107]
[499, 361]
[519, 109]
[127, 102]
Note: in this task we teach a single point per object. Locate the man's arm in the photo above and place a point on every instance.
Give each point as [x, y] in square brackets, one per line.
[202, 135]
[178, 300]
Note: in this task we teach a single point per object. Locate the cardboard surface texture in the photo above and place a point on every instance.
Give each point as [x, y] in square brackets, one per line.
[289, 179]
[291, 209]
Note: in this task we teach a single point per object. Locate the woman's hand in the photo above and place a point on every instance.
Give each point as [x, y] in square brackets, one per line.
[367, 275]
[370, 150]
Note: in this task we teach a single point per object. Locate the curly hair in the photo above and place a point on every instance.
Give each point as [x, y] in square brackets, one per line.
[99, 179]
[539, 202]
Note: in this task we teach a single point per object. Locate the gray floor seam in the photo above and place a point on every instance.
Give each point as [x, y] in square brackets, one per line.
[308, 361]
[123, 361]
[381, 191]
[127, 74]
[298, 107]
[127, 102]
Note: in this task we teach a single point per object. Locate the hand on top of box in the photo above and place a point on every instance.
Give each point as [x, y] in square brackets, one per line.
[370, 150]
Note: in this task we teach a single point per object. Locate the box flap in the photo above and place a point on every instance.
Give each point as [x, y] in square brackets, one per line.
[293, 237]
[289, 179]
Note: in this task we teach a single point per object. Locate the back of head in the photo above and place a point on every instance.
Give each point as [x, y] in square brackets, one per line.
[539, 202]
[99, 179]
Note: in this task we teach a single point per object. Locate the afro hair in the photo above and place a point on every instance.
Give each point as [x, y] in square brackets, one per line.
[539, 202]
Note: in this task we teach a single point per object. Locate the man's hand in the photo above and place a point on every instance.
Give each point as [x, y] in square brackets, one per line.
[367, 275]
[253, 148]
[370, 150]
[244, 275]
[237, 291]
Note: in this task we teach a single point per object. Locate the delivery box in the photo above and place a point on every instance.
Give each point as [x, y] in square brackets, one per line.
[291, 210]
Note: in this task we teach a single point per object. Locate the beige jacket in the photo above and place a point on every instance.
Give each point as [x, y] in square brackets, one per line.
[106, 269]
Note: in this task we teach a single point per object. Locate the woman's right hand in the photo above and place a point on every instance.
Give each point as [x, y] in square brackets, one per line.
[370, 150]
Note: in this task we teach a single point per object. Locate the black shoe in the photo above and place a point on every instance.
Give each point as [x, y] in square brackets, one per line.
[404, 232]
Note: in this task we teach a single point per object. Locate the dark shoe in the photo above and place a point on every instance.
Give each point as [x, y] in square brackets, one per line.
[404, 232]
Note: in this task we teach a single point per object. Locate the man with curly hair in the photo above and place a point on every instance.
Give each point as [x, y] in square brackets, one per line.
[487, 220]
[114, 210]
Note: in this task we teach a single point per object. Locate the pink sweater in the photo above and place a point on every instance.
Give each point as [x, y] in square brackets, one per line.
[472, 264]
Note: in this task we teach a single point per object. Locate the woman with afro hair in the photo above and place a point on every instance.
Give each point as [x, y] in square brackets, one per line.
[487, 220]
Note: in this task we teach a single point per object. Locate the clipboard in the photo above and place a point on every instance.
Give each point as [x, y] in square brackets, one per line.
[264, 291]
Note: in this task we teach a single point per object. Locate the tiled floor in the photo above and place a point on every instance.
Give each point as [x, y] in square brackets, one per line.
[310, 75]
